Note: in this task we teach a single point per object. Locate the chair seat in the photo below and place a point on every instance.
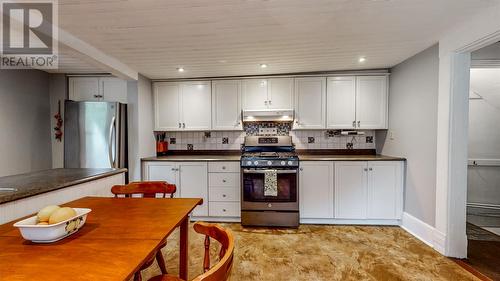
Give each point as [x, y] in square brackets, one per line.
[165, 277]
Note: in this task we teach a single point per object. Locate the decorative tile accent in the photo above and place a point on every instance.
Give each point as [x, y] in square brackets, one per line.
[225, 140]
[282, 128]
[369, 139]
[311, 140]
[349, 145]
[208, 134]
[173, 140]
[190, 146]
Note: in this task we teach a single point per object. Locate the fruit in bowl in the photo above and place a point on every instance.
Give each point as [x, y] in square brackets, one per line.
[54, 214]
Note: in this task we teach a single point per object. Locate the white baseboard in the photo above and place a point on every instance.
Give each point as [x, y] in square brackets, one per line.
[420, 230]
[351, 221]
[483, 206]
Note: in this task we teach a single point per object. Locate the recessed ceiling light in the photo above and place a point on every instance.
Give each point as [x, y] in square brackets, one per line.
[180, 69]
[362, 59]
[263, 65]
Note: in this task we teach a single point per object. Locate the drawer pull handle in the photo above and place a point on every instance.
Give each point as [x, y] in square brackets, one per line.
[223, 167]
[223, 210]
[223, 180]
[223, 195]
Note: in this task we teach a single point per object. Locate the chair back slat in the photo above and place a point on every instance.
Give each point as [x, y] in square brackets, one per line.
[148, 189]
[220, 271]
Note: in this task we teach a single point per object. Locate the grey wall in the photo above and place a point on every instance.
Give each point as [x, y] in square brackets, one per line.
[413, 129]
[24, 122]
[140, 118]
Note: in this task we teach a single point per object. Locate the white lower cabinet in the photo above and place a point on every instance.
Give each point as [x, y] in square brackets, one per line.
[351, 192]
[316, 189]
[190, 178]
[224, 189]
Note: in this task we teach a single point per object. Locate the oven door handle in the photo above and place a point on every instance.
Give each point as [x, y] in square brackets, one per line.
[246, 171]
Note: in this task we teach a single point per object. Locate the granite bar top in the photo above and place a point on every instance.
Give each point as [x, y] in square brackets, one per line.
[39, 182]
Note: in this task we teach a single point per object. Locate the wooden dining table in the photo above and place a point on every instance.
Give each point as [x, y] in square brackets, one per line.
[119, 236]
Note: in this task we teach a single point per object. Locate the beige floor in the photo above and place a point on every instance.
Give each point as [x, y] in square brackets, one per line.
[322, 253]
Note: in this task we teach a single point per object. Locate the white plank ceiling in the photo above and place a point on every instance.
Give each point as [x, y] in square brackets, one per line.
[232, 37]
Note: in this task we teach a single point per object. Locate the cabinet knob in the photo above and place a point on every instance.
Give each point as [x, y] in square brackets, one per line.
[270, 102]
[359, 124]
[183, 125]
[223, 167]
[370, 169]
[223, 195]
[365, 169]
[301, 169]
[180, 125]
[223, 180]
[173, 169]
[354, 124]
[223, 210]
[265, 102]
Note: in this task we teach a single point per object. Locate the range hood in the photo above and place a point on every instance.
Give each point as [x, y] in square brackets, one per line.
[284, 115]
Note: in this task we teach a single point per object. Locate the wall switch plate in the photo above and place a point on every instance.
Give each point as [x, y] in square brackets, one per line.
[268, 131]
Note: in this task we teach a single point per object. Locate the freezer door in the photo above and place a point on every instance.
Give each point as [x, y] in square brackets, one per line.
[90, 134]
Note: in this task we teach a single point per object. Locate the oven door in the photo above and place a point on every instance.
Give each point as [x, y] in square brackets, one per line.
[253, 197]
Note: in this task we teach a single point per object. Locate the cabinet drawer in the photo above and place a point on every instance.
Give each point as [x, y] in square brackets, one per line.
[224, 179]
[224, 194]
[224, 167]
[224, 209]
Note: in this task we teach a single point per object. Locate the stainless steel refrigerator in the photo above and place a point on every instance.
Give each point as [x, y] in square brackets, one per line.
[95, 134]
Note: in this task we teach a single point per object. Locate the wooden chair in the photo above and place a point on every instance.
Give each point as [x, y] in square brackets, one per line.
[220, 271]
[147, 189]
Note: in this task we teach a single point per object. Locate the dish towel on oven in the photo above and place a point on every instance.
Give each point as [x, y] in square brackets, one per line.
[271, 183]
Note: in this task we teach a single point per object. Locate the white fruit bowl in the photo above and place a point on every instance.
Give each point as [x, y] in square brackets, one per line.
[52, 232]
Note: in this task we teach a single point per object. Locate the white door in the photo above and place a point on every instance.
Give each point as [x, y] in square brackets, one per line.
[196, 106]
[310, 103]
[114, 89]
[84, 89]
[193, 178]
[341, 103]
[350, 189]
[226, 105]
[254, 94]
[166, 103]
[385, 193]
[280, 93]
[371, 102]
[316, 189]
[164, 171]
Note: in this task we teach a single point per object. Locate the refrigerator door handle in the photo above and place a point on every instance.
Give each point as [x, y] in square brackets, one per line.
[110, 142]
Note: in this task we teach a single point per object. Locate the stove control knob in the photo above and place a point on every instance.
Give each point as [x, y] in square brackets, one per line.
[290, 163]
[249, 162]
[283, 163]
[256, 163]
[269, 163]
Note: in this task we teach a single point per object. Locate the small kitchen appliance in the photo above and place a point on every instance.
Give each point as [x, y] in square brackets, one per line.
[273, 157]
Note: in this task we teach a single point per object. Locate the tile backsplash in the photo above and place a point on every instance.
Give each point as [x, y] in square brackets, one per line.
[231, 140]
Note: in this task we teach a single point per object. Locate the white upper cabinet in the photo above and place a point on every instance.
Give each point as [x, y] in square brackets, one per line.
[167, 109]
[226, 105]
[371, 102]
[196, 105]
[316, 192]
[357, 102]
[254, 93]
[280, 93]
[341, 103]
[276, 93]
[310, 103]
[182, 106]
[97, 89]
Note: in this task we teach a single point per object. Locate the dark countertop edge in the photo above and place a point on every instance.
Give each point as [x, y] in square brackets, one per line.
[336, 157]
[201, 158]
[67, 184]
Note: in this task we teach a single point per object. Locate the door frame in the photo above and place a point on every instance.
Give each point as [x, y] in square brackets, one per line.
[450, 236]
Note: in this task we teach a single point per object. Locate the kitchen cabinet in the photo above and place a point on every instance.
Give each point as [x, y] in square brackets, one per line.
[368, 190]
[224, 189]
[190, 179]
[357, 102]
[316, 192]
[310, 103]
[97, 89]
[226, 105]
[182, 106]
[260, 94]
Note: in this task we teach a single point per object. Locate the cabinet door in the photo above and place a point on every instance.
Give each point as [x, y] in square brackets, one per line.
[385, 192]
[114, 89]
[194, 184]
[341, 103]
[166, 103]
[316, 189]
[196, 105]
[371, 102]
[310, 103]
[226, 105]
[280, 93]
[350, 190]
[84, 89]
[162, 171]
[254, 94]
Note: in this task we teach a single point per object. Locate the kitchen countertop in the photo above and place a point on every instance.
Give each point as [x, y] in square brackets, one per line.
[302, 157]
[201, 157]
[35, 183]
